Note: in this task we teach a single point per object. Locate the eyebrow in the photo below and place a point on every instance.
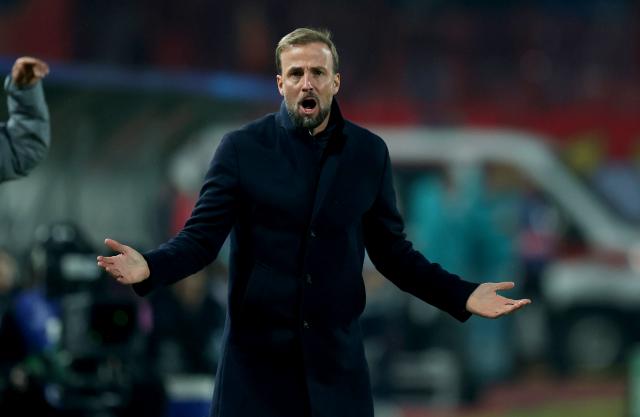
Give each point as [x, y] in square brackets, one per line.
[316, 68]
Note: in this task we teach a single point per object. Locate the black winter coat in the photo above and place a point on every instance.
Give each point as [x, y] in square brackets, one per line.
[299, 228]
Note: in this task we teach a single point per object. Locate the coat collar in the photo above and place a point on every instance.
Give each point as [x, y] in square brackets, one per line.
[335, 125]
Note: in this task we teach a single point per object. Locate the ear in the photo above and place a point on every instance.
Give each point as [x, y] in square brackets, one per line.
[336, 84]
[280, 82]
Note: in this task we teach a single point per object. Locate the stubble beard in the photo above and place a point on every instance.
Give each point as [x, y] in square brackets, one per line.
[307, 122]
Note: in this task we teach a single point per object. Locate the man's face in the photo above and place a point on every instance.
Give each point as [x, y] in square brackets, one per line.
[308, 84]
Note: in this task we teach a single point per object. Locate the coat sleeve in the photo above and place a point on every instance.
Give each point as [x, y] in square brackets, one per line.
[204, 233]
[25, 137]
[393, 255]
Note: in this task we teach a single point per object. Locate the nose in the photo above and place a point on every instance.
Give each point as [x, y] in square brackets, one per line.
[306, 82]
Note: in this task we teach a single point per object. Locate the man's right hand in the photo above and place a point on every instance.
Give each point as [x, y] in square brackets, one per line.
[28, 70]
[127, 267]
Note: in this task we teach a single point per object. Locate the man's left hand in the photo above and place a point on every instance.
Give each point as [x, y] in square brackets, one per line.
[486, 302]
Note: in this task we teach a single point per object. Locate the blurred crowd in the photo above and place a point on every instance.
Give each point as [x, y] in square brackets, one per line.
[567, 69]
[519, 52]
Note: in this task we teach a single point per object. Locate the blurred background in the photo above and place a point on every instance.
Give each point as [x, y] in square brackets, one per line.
[514, 127]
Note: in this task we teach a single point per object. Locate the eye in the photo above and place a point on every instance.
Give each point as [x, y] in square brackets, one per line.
[296, 73]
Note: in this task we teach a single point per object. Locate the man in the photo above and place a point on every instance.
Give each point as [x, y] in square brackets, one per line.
[303, 192]
[24, 139]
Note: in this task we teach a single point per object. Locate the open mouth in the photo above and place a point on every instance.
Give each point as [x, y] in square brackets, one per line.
[308, 104]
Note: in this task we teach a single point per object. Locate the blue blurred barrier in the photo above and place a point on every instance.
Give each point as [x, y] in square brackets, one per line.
[216, 84]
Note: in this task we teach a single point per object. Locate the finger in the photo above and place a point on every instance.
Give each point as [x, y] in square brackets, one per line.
[105, 264]
[115, 245]
[516, 306]
[108, 260]
[523, 301]
[29, 60]
[500, 286]
[26, 60]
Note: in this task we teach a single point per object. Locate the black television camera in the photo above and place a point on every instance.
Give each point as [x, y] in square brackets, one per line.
[100, 350]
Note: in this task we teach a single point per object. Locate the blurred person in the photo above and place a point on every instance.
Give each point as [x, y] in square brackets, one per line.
[187, 320]
[25, 137]
[538, 240]
[303, 193]
[461, 220]
[496, 254]
[446, 221]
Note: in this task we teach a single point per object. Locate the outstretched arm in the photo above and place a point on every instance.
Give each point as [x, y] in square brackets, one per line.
[394, 256]
[486, 302]
[127, 267]
[24, 139]
[196, 245]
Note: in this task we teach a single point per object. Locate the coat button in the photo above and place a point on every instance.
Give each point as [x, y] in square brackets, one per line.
[308, 278]
[305, 324]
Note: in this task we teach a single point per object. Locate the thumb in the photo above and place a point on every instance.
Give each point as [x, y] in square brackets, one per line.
[115, 245]
[499, 286]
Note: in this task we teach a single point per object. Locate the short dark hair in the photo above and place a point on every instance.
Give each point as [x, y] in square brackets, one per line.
[303, 36]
